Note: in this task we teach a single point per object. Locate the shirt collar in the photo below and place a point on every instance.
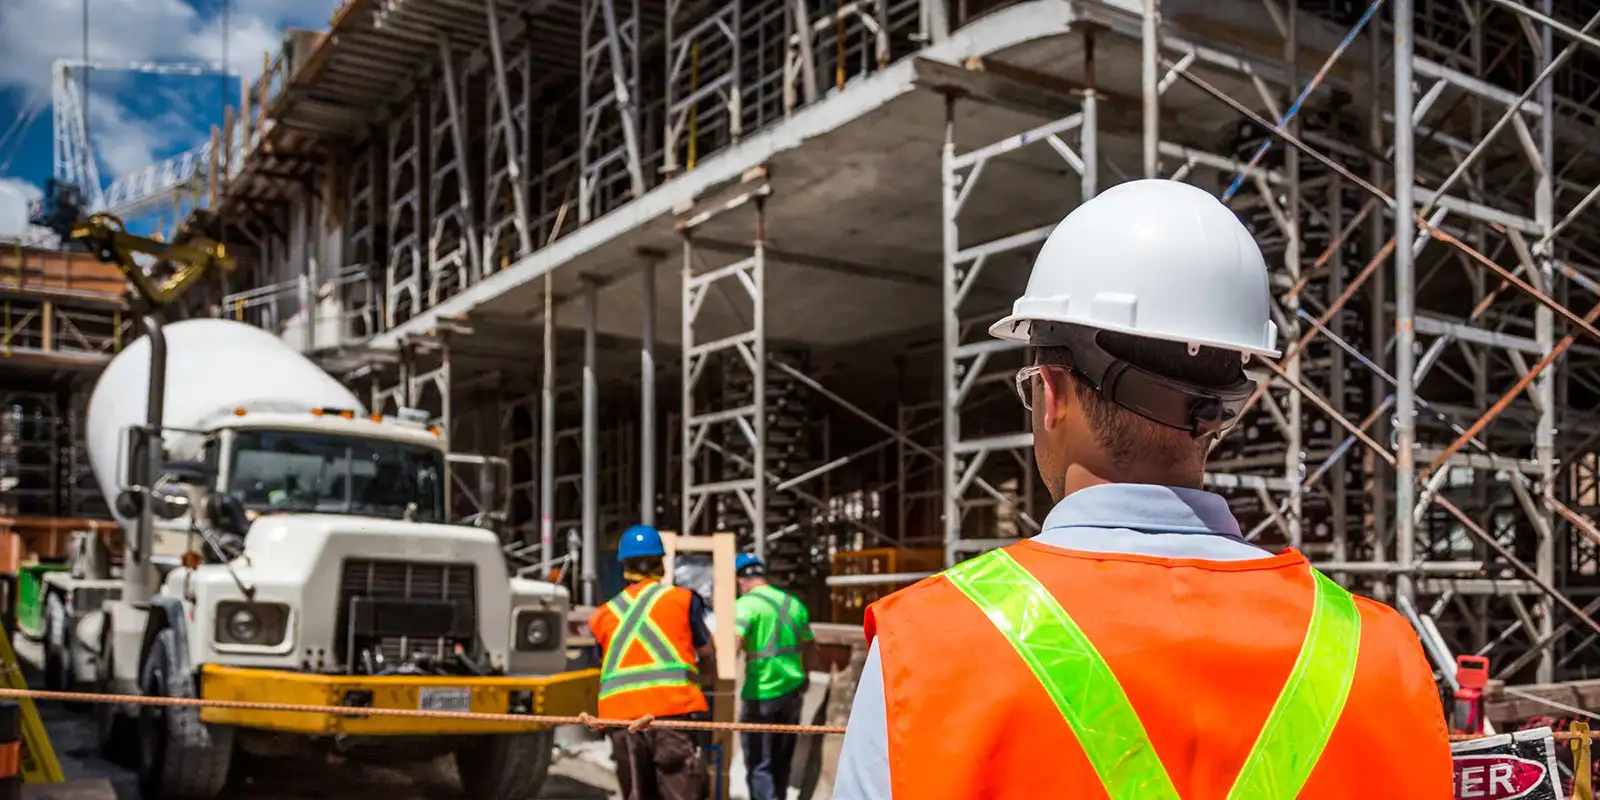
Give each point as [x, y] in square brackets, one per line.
[1146, 508]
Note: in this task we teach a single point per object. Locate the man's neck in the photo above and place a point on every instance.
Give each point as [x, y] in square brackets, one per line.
[1080, 477]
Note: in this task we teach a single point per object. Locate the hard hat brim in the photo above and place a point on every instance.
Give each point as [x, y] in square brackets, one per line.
[1018, 328]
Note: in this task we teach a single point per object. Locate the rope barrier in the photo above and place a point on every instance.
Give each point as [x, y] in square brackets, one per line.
[585, 719]
[593, 722]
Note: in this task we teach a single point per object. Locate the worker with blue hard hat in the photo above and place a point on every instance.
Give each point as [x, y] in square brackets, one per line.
[652, 639]
[640, 541]
[775, 637]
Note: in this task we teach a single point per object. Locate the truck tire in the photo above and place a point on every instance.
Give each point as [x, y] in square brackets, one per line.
[180, 757]
[56, 673]
[509, 766]
[59, 649]
[113, 729]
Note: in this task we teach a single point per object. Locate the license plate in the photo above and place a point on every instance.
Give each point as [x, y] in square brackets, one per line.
[445, 700]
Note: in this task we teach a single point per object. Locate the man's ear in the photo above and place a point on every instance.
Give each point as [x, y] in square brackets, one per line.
[1059, 397]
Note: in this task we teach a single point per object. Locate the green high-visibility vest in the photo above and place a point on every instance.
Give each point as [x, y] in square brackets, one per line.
[634, 624]
[1091, 701]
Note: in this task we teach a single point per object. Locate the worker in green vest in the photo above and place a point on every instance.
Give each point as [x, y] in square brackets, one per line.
[775, 637]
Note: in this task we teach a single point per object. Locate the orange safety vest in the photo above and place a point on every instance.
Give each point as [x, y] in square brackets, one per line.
[648, 658]
[1038, 672]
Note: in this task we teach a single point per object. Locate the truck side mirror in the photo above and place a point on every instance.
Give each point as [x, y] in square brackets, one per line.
[129, 502]
[169, 499]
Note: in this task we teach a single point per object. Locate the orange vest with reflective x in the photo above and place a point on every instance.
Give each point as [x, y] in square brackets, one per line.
[648, 662]
[1036, 672]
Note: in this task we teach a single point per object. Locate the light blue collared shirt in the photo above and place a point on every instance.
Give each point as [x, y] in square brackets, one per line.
[1130, 518]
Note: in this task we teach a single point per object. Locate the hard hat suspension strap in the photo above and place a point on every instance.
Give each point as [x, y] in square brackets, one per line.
[1200, 410]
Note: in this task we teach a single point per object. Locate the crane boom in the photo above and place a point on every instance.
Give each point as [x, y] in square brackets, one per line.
[62, 211]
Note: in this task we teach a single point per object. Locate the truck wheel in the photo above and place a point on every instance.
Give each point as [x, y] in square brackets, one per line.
[180, 757]
[113, 730]
[55, 635]
[505, 767]
[59, 649]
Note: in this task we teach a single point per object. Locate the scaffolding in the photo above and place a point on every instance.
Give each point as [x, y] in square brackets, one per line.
[61, 321]
[855, 190]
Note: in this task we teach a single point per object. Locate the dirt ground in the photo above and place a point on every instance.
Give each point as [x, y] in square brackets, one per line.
[256, 778]
[307, 778]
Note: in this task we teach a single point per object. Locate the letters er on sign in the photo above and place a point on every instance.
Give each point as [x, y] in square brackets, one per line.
[1519, 766]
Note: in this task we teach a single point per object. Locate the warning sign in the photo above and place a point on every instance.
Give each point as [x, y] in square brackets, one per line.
[1512, 766]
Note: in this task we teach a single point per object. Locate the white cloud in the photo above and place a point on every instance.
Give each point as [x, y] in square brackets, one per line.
[125, 143]
[247, 39]
[15, 196]
[34, 33]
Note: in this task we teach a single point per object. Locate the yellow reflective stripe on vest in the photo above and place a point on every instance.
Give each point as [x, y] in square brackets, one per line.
[785, 624]
[1312, 700]
[1096, 708]
[636, 626]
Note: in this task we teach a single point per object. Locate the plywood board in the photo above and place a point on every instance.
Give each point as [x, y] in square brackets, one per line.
[724, 591]
[57, 271]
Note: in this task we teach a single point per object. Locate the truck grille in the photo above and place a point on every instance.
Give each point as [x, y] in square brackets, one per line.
[400, 582]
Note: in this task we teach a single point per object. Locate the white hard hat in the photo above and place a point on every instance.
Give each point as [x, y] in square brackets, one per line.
[1154, 258]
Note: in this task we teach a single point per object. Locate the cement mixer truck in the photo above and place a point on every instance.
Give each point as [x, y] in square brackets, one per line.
[283, 545]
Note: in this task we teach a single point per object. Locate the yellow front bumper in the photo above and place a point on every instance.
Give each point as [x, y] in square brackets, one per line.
[562, 694]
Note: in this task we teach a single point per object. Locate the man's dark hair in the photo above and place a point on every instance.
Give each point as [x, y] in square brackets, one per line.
[644, 565]
[1127, 436]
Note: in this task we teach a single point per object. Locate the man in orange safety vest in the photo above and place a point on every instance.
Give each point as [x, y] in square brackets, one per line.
[652, 638]
[1139, 646]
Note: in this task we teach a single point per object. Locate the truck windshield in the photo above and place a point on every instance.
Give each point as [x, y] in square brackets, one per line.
[275, 471]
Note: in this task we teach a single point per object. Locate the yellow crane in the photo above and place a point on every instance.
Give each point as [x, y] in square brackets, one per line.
[63, 212]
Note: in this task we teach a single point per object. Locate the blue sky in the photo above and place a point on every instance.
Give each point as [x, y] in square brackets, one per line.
[134, 120]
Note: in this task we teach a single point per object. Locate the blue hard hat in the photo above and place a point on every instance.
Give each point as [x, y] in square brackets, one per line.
[746, 560]
[640, 541]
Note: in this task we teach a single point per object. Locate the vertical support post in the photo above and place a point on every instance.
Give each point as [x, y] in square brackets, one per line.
[519, 192]
[1405, 482]
[900, 461]
[547, 429]
[688, 448]
[935, 21]
[647, 401]
[1544, 334]
[1340, 517]
[1377, 520]
[758, 274]
[591, 444]
[621, 78]
[807, 54]
[458, 141]
[1089, 132]
[1151, 47]
[445, 386]
[1294, 451]
[950, 466]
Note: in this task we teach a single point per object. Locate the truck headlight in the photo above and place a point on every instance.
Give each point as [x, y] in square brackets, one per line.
[536, 630]
[253, 624]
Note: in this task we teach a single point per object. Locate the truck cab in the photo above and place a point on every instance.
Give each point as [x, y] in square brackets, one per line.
[331, 510]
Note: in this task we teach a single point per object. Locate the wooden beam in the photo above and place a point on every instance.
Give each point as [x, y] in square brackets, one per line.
[1503, 708]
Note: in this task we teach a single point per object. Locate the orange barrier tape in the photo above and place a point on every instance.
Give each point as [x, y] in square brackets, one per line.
[529, 719]
[10, 759]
